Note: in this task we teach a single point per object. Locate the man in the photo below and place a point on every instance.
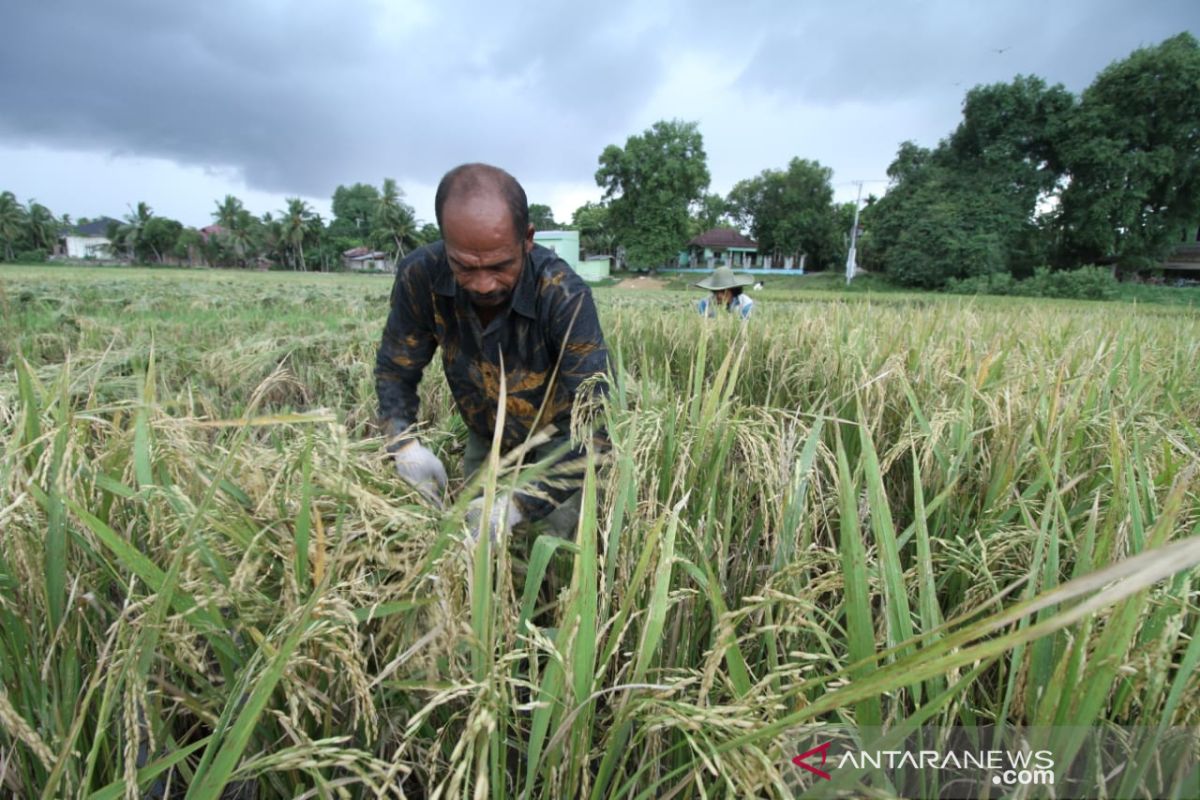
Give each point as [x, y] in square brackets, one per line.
[487, 295]
[726, 288]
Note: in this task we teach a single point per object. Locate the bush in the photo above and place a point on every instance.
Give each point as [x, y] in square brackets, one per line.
[994, 283]
[36, 256]
[1085, 283]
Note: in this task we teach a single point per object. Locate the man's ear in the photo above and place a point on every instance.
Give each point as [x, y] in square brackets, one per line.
[529, 239]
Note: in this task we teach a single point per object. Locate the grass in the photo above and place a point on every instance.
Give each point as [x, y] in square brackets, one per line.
[894, 510]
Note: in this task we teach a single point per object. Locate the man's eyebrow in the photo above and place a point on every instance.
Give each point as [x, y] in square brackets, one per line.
[455, 262]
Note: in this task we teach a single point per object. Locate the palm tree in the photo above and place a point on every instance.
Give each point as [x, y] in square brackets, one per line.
[12, 222]
[240, 228]
[42, 227]
[228, 212]
[394, 220]
[295, 226]
[317, 234]
[131, 233]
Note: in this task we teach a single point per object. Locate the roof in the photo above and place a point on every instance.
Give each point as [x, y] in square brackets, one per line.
[723, 238]
[363, 253]
[211, 230]
[97, 228]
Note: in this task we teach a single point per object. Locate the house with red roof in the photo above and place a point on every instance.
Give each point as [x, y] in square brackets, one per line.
[721, 247]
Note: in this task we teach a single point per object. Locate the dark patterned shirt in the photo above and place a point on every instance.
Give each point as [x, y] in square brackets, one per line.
[549, 336]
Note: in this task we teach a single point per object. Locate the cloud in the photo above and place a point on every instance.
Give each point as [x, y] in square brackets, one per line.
[299, 98]
[296, 98]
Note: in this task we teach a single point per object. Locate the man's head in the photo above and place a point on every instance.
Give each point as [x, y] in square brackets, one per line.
[483, 215]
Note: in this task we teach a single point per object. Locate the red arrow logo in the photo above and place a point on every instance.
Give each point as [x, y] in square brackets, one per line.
[824, 751]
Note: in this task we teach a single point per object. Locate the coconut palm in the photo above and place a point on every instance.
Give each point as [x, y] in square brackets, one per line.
[295, 225]
[131, 233]
[12, 222]
[394, 223]
[43, 228]
[228, 212]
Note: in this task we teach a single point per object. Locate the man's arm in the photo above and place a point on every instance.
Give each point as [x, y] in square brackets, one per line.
[406, 348]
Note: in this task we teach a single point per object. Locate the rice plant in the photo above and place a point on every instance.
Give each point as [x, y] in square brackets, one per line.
[891, 512]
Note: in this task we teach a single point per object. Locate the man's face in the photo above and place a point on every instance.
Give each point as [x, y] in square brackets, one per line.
[485, 253]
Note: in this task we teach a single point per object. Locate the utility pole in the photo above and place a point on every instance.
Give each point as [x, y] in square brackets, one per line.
[851, 260]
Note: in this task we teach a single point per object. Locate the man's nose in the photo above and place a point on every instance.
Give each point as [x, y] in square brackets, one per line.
[484, 283]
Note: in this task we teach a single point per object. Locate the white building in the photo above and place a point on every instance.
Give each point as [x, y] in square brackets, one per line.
[364, 259]
[86, 241]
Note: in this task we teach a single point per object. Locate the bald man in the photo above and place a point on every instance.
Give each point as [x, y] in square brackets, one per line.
[486, 291]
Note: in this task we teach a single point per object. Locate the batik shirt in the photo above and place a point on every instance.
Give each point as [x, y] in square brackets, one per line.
[549, 337]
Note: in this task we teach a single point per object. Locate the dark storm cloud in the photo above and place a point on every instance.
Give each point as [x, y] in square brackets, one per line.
[881, 52]
[301, 97]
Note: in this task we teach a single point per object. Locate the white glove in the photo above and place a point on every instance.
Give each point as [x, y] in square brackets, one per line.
[418, 465]
[505, 515]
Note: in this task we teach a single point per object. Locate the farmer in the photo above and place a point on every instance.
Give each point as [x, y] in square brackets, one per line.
[726, 288]
[490, 299]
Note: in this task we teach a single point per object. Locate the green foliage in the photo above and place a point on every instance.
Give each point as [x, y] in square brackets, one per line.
[296, 229]
[710, 211]
[427, 234]
[34, 256]
[160, 236]
[42, 226]
[1085, 283]
[187, 244]
[393, 224]
[354, 208]
[12, 224]
[1132, 156]
[969, 207]
[790, 211]
[541, 217]
[649, 185]
[596, 235]
[1122, 160]
[931, 228]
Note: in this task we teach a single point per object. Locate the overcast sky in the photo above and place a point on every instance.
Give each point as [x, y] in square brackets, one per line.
[103, 104]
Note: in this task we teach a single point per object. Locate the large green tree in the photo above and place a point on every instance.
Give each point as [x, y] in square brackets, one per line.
[790, 211]
[710, 211]
[541, 217]
[160, 235]
[596, 236]
[649, 185]
[971, 206]
[1132, 158]
[353, 210]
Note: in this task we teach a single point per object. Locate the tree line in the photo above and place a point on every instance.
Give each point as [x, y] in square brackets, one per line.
[295, 237]
[1032, 177]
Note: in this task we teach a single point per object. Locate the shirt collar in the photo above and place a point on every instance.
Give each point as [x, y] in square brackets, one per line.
[525, 294]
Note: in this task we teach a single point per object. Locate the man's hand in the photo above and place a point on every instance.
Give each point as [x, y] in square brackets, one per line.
[505, 515]
[418, 465]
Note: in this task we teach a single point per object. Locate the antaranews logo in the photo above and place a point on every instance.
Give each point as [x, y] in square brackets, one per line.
[1000, 767]
[959, 763]
[802, 760]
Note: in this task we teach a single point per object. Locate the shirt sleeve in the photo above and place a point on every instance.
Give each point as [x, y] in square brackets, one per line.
[574, 327]
[405, 350]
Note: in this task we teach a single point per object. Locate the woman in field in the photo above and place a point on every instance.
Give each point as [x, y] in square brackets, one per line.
[727, 292]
